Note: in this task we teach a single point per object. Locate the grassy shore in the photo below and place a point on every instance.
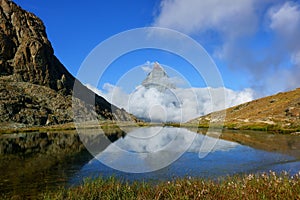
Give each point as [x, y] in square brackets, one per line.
[5, 129]
[254, 127]
[70, 126]
[263, 186]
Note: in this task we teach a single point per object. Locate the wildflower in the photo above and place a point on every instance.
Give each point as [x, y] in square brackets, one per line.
[250, 177]
[272, 173]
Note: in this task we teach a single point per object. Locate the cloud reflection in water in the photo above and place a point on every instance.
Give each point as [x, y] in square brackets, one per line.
[153, 148]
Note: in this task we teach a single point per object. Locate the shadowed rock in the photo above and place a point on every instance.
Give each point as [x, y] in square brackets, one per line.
[35, 88]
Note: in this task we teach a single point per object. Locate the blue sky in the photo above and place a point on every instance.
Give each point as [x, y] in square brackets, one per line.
[254, 43]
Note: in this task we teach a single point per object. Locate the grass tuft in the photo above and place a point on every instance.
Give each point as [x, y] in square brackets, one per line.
[261, 186]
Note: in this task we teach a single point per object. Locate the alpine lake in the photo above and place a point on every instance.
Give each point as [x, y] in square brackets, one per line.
[32, 163]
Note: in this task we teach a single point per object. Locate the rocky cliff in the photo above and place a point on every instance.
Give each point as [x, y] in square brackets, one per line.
[35, 88]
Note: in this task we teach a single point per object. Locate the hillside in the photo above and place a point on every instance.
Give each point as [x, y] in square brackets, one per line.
[35, 88]
[280, 112]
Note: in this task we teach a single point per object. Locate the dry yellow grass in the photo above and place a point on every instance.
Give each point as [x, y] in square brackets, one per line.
[279, 112]
[263, 186]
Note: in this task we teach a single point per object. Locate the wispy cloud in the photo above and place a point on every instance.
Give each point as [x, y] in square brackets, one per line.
[197, 16]
[259, 38]
[285, 22]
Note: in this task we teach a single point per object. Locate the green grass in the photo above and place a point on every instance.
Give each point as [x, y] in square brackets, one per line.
[253, 127]
[269, 128]
[59, 127]
[263, 186]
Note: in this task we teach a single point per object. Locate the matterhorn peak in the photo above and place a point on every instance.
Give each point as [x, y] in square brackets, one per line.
[158, 79]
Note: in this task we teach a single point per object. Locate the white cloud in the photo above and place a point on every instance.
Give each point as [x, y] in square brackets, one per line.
[146, 69]
[285, 21]
[178, 104]
[284, 78]
[112, 94]
[232, 21]
[240, 34]
[232, 17]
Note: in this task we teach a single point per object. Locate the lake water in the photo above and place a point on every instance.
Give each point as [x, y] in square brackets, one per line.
[153, 154]
[158, 153]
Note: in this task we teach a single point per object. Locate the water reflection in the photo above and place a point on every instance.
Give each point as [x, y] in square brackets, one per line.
[177, 149]
[150, 149]
[143, 149]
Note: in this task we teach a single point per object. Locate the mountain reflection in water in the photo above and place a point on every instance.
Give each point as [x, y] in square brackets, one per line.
[162, 153]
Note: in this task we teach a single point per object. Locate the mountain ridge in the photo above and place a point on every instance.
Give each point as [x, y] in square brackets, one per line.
[35, 88]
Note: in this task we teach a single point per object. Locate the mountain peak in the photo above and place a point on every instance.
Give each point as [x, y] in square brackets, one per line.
[158, 79]
[157, 67]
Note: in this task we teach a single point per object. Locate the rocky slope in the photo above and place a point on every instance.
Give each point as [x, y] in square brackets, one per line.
[35, 88]
[276, 112]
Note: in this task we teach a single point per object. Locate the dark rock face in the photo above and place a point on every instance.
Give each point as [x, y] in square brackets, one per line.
[35, 88]
[26, 53]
